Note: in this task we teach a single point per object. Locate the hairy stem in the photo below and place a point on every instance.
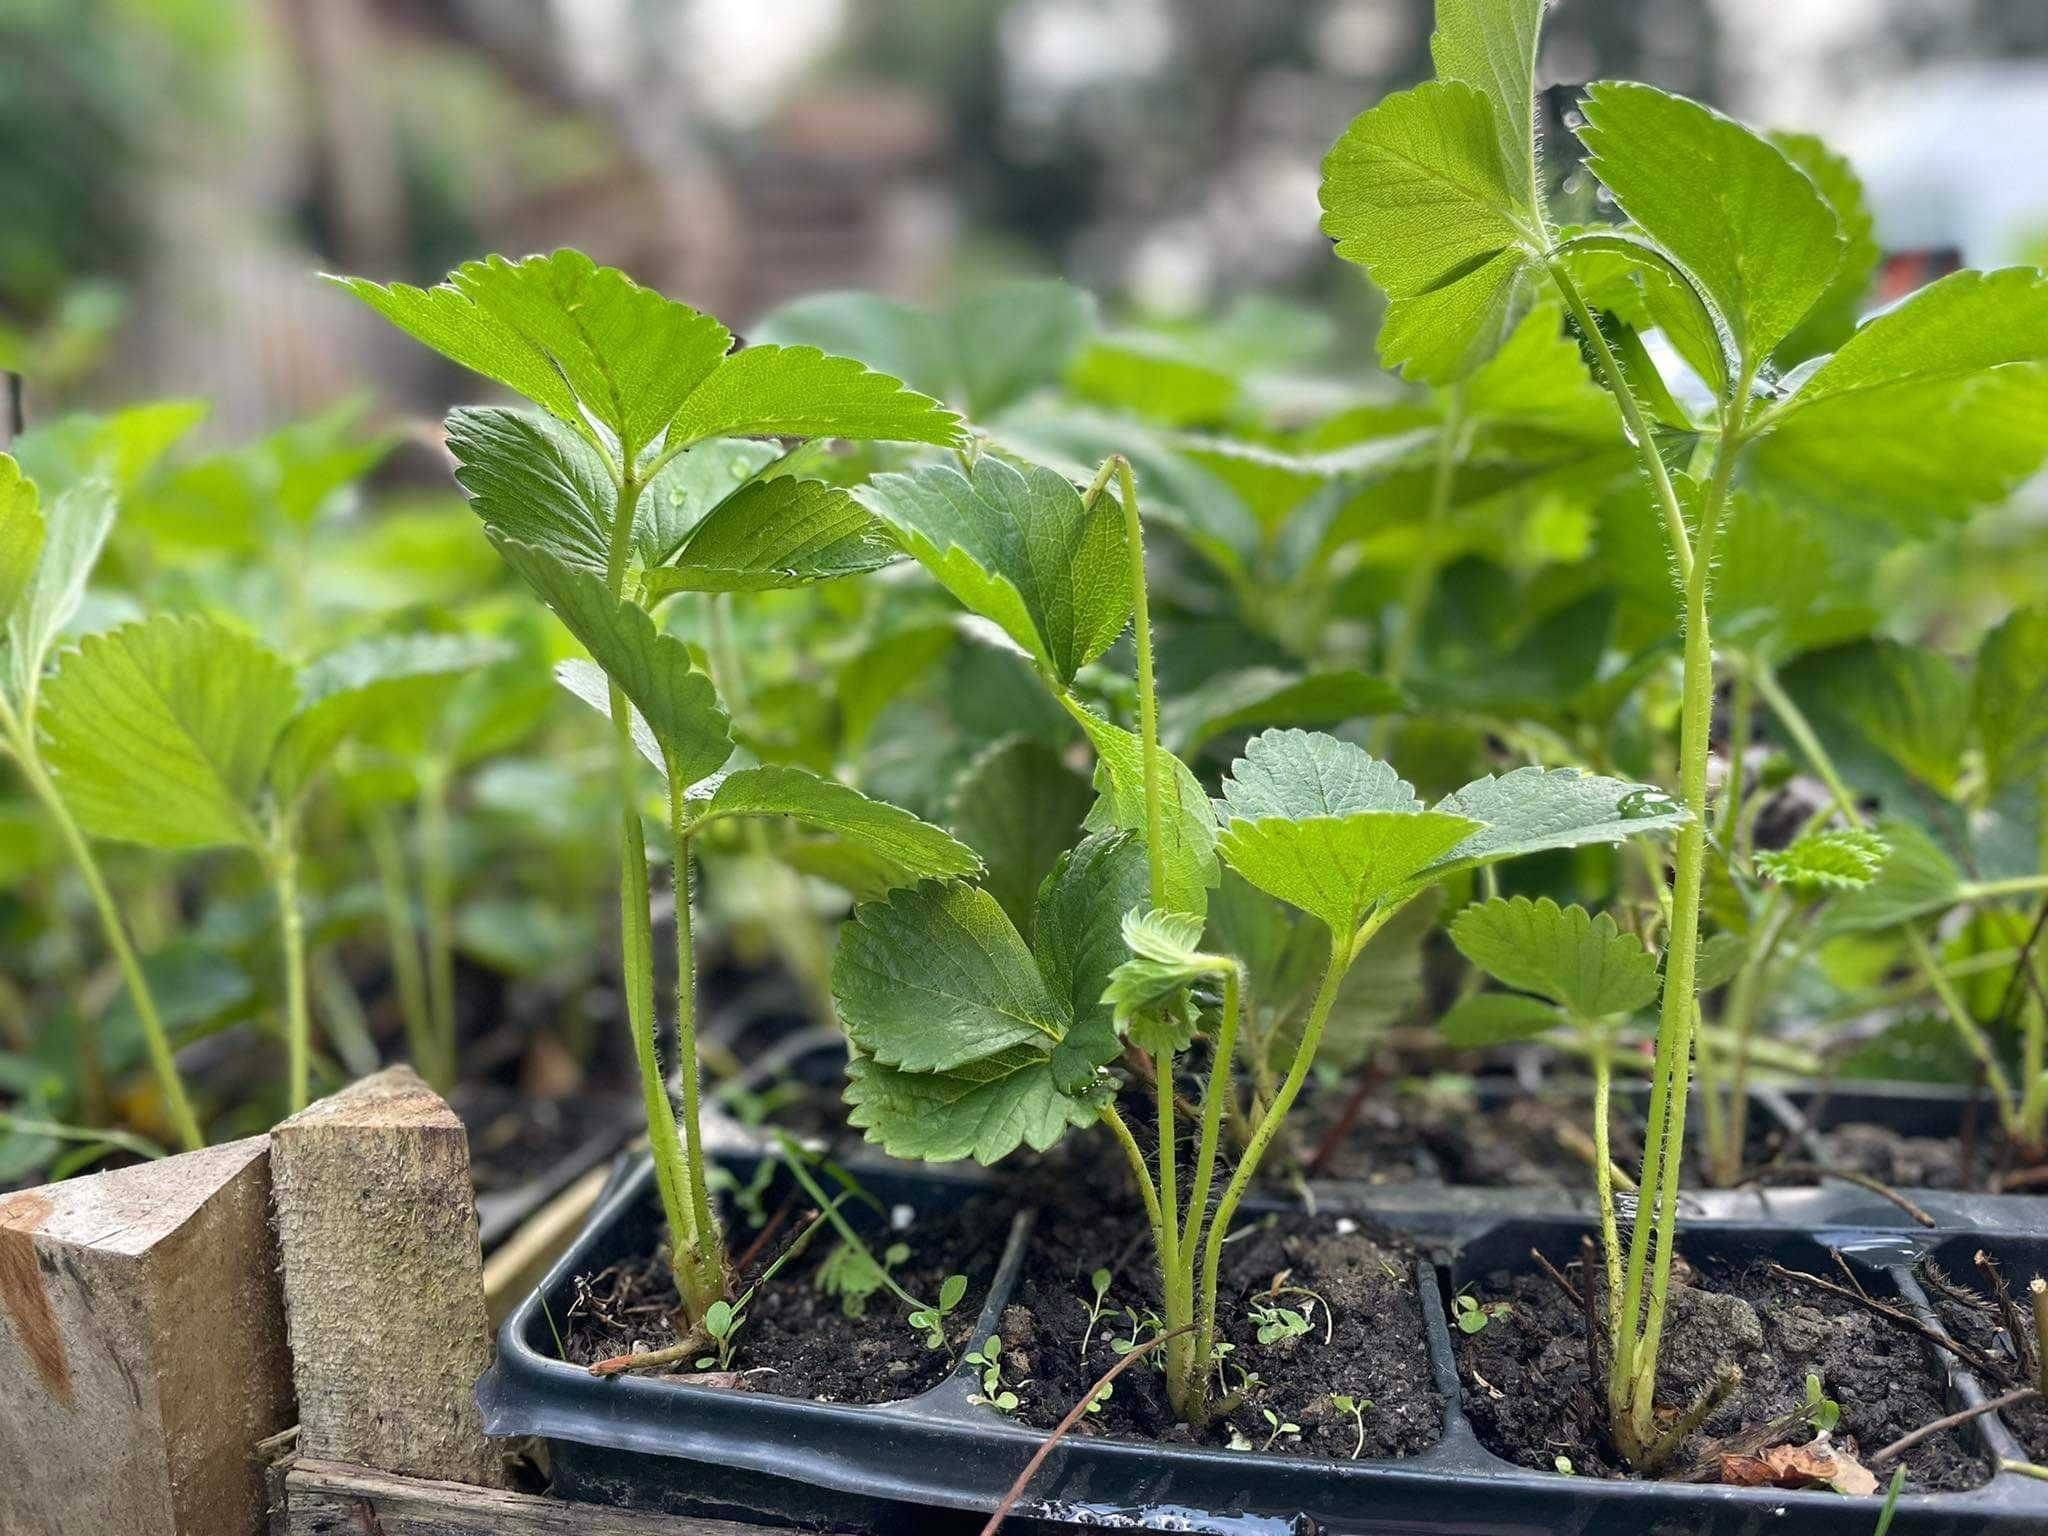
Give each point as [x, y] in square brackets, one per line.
[1603, 1179]
[401, 939]
[710, 1256]
[155, 1038]
[282, 857]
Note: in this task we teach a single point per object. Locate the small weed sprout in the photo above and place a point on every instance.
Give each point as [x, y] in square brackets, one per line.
[1279, 1427]
[988, 1360]
[1563, 1464]
[1472, 1315]
[1345, 1403]
[722, 1321]
[1821, 1411]
[931, 1321]
[1277, 1324]
[1099, 1284]
[853, 1274]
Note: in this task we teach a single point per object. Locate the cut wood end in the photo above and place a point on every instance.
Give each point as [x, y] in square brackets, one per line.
[395, 1097]
[129, 1210]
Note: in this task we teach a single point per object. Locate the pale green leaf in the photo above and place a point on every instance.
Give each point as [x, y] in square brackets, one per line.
[653, 670]
[1536, 810]
[587, 681]
[1336, 867]
[1418, 193]
[1488, 1019]
[1584, 964]
[1019, 549]
[936, 980]
[800, 392]
[160, 732]
[365, 685]
[1746, 224]
[1018, 806]
[21, 535]
[1267, 696]
[941, 1117]
[1296, 774]
[1148, 992]
[75, 528]
[566, 333]
[1815, 862]
[1079, 943]
[1917, 879]
[1491, 45]
[775, 533]
[2009, 699]
[1834, 315]
[915, 850]
[1187, 822]
[1152, 379]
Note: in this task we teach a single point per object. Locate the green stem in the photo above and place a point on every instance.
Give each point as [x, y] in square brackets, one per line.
[1141, 1171]
[1217, 1090]
[387, 856]
[282, 857]
[710, 1249]
[1342, 948]
[155, 1038]
[1744, 1004]
[1601, 1051]
[437, 890]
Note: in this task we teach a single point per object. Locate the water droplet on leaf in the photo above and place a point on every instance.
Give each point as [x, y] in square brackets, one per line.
[1644, 804]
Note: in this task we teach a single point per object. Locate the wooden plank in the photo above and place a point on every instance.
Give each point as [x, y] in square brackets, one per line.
[383, 1288]
[333, 1499]
[142, 1350]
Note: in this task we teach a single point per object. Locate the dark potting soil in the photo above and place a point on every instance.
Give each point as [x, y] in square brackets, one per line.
[797, 1339]
[1365, 1338]
[1528, 1395]
[1902, 1162]
[1973, 1320]
[514, 1138]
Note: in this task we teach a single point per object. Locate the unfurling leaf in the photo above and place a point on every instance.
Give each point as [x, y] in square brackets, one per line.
[1149, 992]
[1826, 861]
[1582, 963]
[75, 529]
[160, 733]
[1019, 548]
[21, 534]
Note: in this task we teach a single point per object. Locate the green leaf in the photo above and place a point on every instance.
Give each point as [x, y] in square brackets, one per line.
[1535, 810]
[1834, 315]
[1826, 861]
[1694, 325]
[1187, 821]
[160, 732]
[1936, 406]
[1917, 878]
[1582, 963]
[1907, 705]
[942, 1117]
[987, 351]
[1148, 992]
[566, 333]
[1019, 806]
[800, 392]
[1326, 827]
[1079, 943]
[653, 670]
[1491, 45]
[1746, 224]
[1496, 1018]
[364, 686]
[775, 533]
[1019, 549]
[691, 486]
[1267, 696]
[1419, 193]
[1297, 774]
[936, 980]
[915, 850]
[21, 535]
[75, 529]
[1721, 956]
[531, 479]
[2009, 699]
[1153, 379]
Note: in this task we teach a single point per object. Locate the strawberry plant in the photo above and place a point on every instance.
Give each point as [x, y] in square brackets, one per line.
[644, 474]
[1440, 193]
[977, 1034]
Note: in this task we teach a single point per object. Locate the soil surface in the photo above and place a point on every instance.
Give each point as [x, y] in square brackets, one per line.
[514, 1138]
[1365, 1335]
[1526, 1384]
[797, 1339]
[1903, 1162]
[1529, 1142]
[1973, 1320]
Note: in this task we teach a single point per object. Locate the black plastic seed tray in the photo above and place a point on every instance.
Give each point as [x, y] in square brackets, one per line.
[938, 1463]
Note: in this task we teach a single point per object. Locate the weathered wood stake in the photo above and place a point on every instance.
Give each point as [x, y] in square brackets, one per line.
[376, 1227]
[141, 1349]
